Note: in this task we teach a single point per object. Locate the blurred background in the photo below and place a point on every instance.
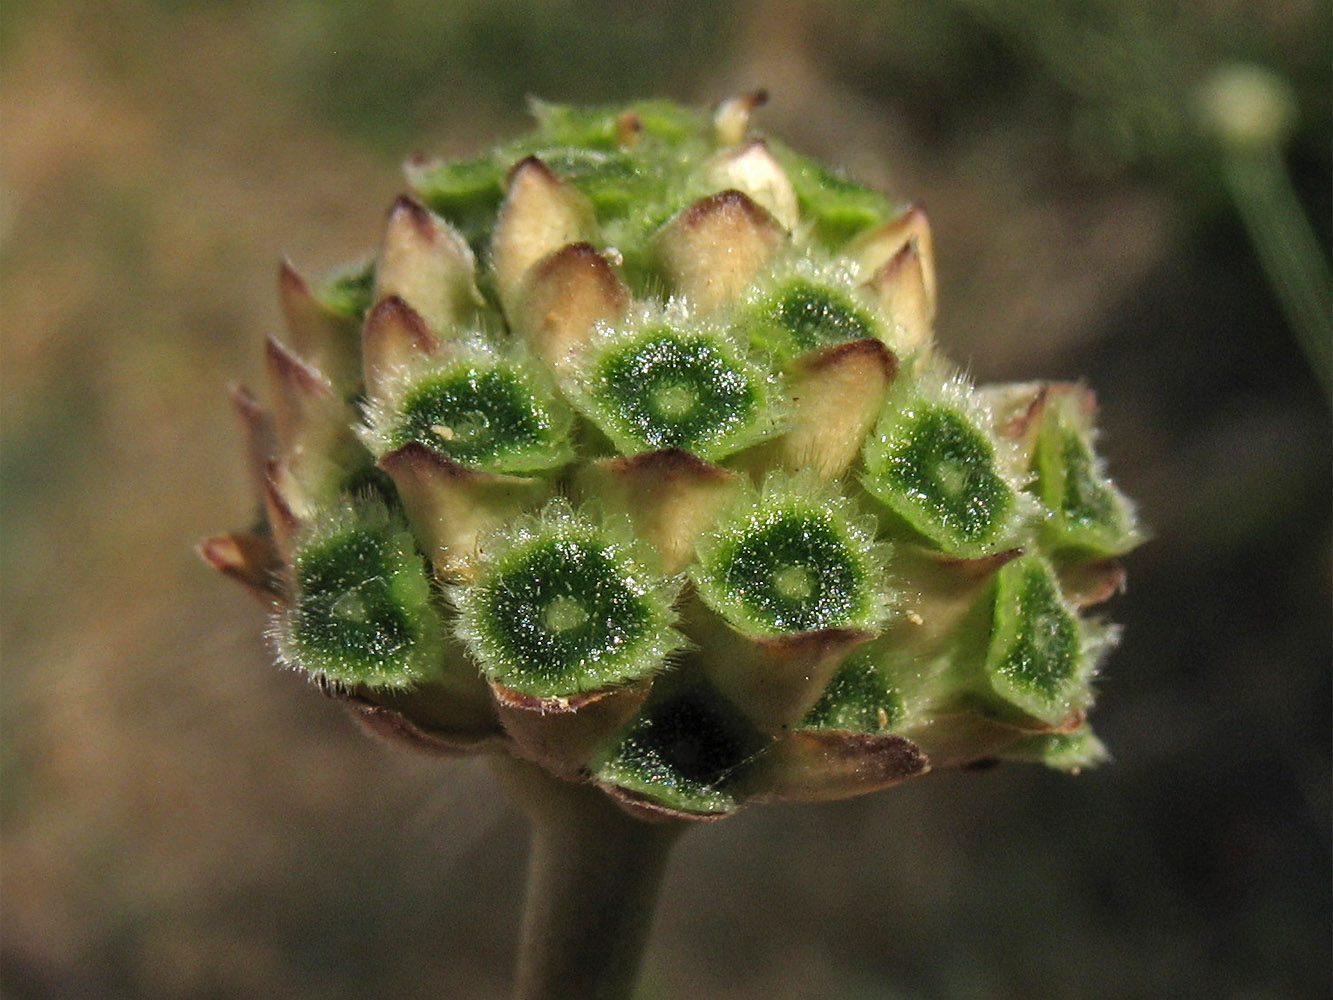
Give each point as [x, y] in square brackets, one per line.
[182, 820]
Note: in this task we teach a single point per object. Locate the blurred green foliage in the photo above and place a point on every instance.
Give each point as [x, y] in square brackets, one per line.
[384, 71]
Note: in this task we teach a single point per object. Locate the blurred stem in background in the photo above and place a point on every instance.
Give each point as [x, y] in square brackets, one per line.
[1133, 63]
[1253, 112]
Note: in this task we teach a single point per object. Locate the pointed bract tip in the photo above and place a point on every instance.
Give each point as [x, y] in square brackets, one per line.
[283, 506]
[816, 643]
[629, 126]
[865, 353]
[418, 168]
[395, 334]
[427, 465]
[418, 460]
[1019, 410]
[880, 244]
[292, 377]
[732, 118]
[450, 505]
[837, 393]
[564, 296]
[245, 403]
[562, 733]
[562, 705]
[308, 412]
[249, 559]
[261, 436]
[529, 169]
[901, 287]
[320, 335]
[428, 263]
[712, 249]
[651, 811]
[408, 208]
[670, 463]
[540, 214]
[1086, 584]
[394, 315]
[290, 281]
[563, 264]
[730, 204]
[396, 728]
[977, 568]
[753, 169]
[820, 765]
[671, 496]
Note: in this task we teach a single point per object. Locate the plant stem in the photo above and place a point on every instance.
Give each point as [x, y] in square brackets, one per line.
[1287, 250]
[592, 884]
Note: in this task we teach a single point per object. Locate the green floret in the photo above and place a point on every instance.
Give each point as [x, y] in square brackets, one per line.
[788, 564]
[686, 751]
[349, 294]
[838, 206]
[1088, 514]
[1071, 752]
[676, 390]
[363, 611]
[636, 177]
[490, 417]
[936, 470]
[566, 610]
[1037, 659]
[466, 192]
[600, 127]
[801, 315]
[617, 182]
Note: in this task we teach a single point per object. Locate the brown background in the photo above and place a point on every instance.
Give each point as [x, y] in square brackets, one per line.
[182, 820]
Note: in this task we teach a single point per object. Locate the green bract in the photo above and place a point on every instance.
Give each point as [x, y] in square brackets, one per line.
[631, 454]
[1087, 512]
[860, 698]
[1071, 751]
[686, 751]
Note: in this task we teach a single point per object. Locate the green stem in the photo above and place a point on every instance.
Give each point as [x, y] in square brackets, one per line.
[592, 885]
[1287, 250]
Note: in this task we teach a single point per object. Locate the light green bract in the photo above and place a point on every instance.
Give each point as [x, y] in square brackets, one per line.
[630, 453]
[1071, 751]
[860, 698]
[483, 417]
[479, 411]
